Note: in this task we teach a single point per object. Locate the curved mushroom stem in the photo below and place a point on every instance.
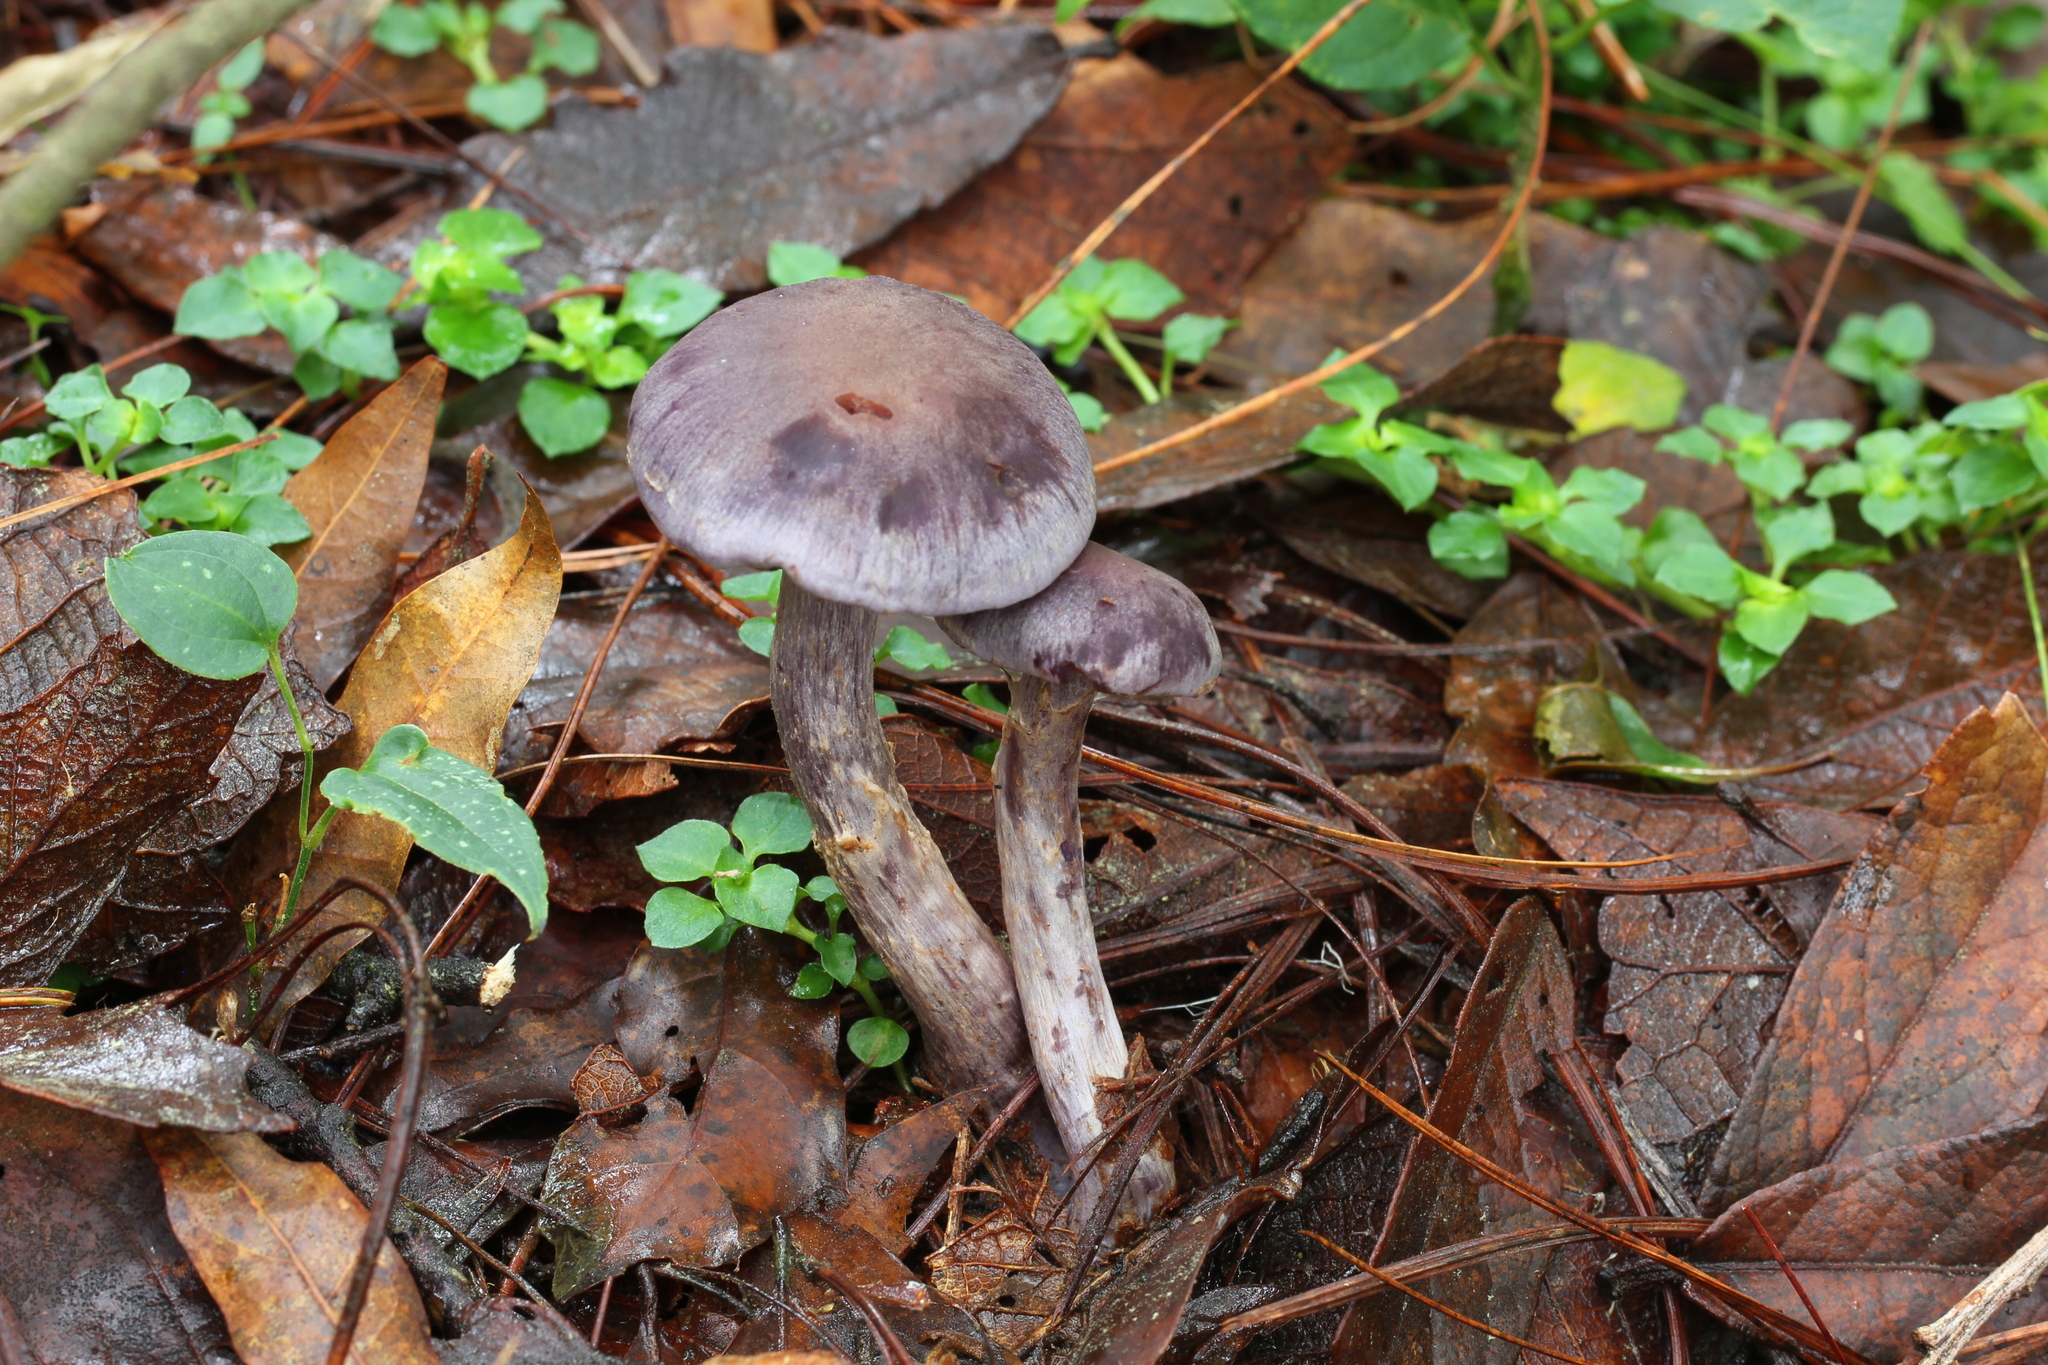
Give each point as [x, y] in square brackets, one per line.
[945, 960]
[1075, 1037]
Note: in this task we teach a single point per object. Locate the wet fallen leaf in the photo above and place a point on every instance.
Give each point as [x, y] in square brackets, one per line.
[1915, 1014]
[1887, 1242]
[1962, 382]
[358, 496]
[832, 142]
[1520, 1008]
[133, 1062]
[767, 1131]
[996, 1270]
[1116, 124]
[894, 1164]
[934, 770]
[1266, 440]
[1873, 702]
[274, 1241]
[1510, 380]
[581, 492]
[450, 659]
[115, 754]
[1366, 538]
[1696, 976]
[1429, 805]
[82, 1231]
[163, 899]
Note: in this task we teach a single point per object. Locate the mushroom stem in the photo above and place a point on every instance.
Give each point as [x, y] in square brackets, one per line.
[944, 959]
[1075, 1037]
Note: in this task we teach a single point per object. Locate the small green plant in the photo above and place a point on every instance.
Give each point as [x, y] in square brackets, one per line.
[744, 890]
[1909, 484]
[303, 303]
[220, 107]
[1600, 387]
[1578, 523]
[902, 646]
[610, 349]
[1094, 297]
[1882, 351]
[1769, 466]
[218, 605]
[1394, 454]
[801, 262]
[36, 320]
[510, 103]
[1187, 340]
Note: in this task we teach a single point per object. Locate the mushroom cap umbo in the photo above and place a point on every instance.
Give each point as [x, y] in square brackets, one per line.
[1125, 627]
[883, 445]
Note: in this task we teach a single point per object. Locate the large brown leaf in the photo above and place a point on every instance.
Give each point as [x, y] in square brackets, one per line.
[1265, 440]
[107, 753]
[834, 141]
[358, 495]
[274, 1241]
[134, 1062]
[450, 659]
[1917, 1012]
[767, 1132]
[1697, 976]
[1887, 1242]
[1117, 123]
[87, 1258]
[1519, 1009]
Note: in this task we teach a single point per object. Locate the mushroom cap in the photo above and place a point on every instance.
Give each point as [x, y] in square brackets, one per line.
[881, 444]
[1127, 628]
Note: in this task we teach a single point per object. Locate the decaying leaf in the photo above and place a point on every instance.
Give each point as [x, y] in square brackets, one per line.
[1697, 976]
[87, 1259]
[450, 659]
[1366, 538]
[1916, 1012]
[1266, 440]
[996, 1270]
[894, 1164]
[110, 753]
[133, 1062]
[358, 496]
[274, 1240]
[833, 142]
[1116, 124]
[1887, 1242]
[767, 1131]
[962, 822]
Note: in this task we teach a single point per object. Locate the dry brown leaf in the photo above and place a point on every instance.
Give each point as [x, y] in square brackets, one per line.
[450, 659]
[359, 495]
[274, 1240]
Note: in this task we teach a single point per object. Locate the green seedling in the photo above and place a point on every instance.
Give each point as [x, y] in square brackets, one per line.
[218, 605]
[464, 29]
[1187, 340]
[903, 647]
[304, 304]
[458, 272]
[1096, 295]
[801, 262]
[1394, 454]
[612, 350]
[1882, 351]
[221, 106]
[1578, 523]
[36, 320]
[979, 694]
[1769, 466]
[744, 890]
[1909, 482]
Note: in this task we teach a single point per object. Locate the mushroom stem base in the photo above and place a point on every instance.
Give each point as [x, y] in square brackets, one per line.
[944, 959]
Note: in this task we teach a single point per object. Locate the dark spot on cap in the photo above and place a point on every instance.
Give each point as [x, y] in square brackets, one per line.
[855, 406]
[811, 450]
[906, 507]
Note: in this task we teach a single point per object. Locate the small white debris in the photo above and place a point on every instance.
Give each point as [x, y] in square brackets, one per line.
[497, 980]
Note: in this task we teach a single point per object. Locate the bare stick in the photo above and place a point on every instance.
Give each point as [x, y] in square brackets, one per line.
[1946, 1336]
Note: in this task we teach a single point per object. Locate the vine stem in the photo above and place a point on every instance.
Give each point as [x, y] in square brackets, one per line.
[2033, 610]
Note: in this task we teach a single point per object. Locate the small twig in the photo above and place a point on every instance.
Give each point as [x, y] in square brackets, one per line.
[1946, 1336]
[1771, 1245]
[995, 1130]
[9, 362]
[66, 503]
[886, 1341]
[644, 71]
[540, 1300]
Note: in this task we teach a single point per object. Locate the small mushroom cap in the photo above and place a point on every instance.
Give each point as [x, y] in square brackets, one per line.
[1127, 628]
[883, 445]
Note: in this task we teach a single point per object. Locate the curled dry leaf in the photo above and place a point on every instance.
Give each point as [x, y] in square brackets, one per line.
[1916, 1012]
[893, 1166]
[1886, 1242]
[82, 1231]
[450, 659]
[1697, 976]
[274, 1240]
[111, 754]
[132, 1062]
[767, 1131]
[834, 142]
[358, 495]
[1115, 125]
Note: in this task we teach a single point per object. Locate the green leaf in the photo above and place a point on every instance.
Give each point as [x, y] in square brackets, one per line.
[78, 395]
[278, 272]
[566, 46]
[1088, 410]
[1991, 473]
[758, 634]
[1191, 336]
[218, 307]
[813, 982]
[979, 694]
[839, 956]
[1851, 598]
[1362, 388]
[1588, 529]
[1642, 740]
[242, 68]
[1776, 472]
[1772, 624]
[801, 262]
[1198, 13]
[878, 1042]
[363, 285]
[480, 342]
[908, 649]
[1132, 291]
[30, 452]
[1742, 663]
[1910, 185]
[1704, 571]
[1471, 544]
[496, 233]
[764, 897]
[183, 498]
[1671, 530]
[1843, 476]
[563, 417]
[1794, 533]
[453, 810]
[2003, 413]
[685, 852]
[765, 586]
[159, 385]
[1907, 332]
[524, 16]
[268, 519]
[616, 367]
[362, 345]
[665, 303]
[771, 822]
[211, 603]
[1408, 474]
[1388, 45]
[1495, 467]
[512, 105]
[316, 375]
[679, 919]
[1694, 443]
[302, 318]
[1613, 490]
[1601, 387]
[1736, 424]
[404, 31]
[1817, 433]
